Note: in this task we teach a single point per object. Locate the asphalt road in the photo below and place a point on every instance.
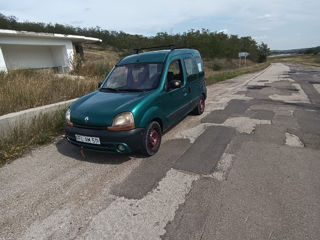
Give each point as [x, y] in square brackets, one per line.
[248, 168]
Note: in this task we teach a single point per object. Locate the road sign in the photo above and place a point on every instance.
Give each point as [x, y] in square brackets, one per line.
[243, 54]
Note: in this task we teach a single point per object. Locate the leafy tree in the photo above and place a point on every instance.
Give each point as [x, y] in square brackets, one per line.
[210, 44]
[264, 51]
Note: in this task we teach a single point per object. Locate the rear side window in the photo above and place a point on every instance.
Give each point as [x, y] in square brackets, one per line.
[199, 65]
[191, 68]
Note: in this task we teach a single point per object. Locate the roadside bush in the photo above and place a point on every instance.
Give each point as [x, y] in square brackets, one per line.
[216, 67]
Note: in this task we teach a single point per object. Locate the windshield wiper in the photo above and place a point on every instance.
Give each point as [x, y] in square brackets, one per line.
[109, 89]
[132, 90]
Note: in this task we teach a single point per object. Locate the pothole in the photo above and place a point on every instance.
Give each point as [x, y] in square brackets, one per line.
[314, 82]
[256, 87]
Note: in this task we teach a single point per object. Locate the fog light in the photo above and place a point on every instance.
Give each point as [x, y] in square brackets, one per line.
[121, 148]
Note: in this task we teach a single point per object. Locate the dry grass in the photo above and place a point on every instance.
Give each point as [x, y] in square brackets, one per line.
[311, 60]
[214, 66]
[22, 139]
[94, 69]
[108, 55]
[23, 89]
[224, 75]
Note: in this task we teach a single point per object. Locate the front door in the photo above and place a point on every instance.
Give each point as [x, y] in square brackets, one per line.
[176, 100]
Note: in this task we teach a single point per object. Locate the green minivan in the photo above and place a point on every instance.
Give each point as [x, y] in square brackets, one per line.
[142, 97]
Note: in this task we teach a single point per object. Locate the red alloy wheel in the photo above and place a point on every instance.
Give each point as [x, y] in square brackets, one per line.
[201, 105]
[154, 139]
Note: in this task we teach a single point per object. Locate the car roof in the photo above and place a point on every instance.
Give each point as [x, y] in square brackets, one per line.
[155, 56]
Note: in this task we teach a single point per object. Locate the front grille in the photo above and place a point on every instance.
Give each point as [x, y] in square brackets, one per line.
[90, 127]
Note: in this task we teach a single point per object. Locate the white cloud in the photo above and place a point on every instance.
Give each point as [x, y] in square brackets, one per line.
[225, 31]
[265, 17]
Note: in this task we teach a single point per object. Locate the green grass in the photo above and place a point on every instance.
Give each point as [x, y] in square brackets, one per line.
[228, 74]
[22, 139]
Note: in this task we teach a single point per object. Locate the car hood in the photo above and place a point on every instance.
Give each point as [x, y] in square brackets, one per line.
[102, 107]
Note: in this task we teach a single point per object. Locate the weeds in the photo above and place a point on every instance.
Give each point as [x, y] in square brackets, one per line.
[223, 75]
[306, 59]
[94, 69]
[23, 89]
[43, 130]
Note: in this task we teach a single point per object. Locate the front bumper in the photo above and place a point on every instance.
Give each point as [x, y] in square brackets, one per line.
[131, 140]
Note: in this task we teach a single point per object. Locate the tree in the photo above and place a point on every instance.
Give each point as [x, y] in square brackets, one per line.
[264, 51]
[210, 44]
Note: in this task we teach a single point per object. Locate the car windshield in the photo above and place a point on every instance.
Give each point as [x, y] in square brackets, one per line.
[134, 77]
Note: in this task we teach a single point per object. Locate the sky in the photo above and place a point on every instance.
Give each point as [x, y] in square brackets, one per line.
[282, 24]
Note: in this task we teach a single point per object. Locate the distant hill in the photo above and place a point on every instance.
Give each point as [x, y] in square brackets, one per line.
[313, 50]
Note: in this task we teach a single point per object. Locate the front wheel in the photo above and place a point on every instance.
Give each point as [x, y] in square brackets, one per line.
[200, 107]
[151, 139]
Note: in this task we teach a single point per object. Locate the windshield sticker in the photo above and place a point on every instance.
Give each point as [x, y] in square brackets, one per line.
[199, 67]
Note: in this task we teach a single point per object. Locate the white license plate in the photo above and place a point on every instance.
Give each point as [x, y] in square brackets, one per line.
[86, 139]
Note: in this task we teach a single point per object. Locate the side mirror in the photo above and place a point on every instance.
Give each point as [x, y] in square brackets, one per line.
[99, 84]
[175, 84]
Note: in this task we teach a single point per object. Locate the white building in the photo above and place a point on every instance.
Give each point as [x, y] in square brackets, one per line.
[21, 50]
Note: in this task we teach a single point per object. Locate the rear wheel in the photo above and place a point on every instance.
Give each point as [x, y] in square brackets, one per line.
[151, 139]
[200, 107]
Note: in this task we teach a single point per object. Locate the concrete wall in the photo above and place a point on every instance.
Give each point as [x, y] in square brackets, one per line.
[3, 67]
[21, 56]
[25, 118]
[28, 52]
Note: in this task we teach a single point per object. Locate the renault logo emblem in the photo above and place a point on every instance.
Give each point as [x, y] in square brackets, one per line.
[86, 119]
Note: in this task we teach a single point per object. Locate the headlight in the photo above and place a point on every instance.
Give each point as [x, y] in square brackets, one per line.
[68, 114]
[123, 121]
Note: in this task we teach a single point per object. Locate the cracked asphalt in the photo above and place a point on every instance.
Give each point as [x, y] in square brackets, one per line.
[248, 168]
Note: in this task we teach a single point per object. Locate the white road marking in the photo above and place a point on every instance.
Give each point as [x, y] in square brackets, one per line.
[293, 140]
[145, 218]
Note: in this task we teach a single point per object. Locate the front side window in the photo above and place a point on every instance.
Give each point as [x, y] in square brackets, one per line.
[174, 72]
[134, 77]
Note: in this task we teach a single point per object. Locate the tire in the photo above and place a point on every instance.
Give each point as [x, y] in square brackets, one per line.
[199, 109]
[151, 139]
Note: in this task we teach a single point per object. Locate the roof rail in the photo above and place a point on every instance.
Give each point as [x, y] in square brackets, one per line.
[171, 47]
[137, 50]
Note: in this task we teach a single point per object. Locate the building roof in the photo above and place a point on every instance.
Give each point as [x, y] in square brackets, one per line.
[73, 38]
